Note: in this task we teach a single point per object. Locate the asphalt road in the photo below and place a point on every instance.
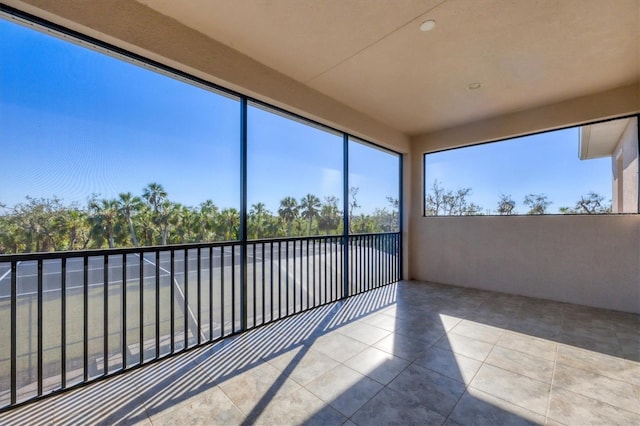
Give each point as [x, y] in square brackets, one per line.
[27, 273]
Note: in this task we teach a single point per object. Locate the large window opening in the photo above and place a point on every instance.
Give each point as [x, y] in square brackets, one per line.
[143, 214]
[590, 169]
[102, 153]
[295, 176]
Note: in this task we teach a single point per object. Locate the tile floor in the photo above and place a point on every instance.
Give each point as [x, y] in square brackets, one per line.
[408, 353]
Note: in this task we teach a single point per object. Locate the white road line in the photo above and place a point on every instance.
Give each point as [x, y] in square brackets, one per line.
[8, 272]
[177, 285]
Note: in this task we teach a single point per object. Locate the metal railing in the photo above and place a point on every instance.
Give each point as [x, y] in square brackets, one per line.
[69, 318]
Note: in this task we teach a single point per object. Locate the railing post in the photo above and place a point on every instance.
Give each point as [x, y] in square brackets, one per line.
[345, 215]
[243, 213]
[400, 214]
[14, 333]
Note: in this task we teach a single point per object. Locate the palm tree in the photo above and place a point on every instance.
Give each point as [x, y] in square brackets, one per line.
[105, 217]
[229, 224]
[78, 229]
[208, 221]
[310, 207]
[288, 211]
[155, 195]
[146, 221]
[187, 224]
[330, 215]
[168, 216]
[258, 215]
[129, 205]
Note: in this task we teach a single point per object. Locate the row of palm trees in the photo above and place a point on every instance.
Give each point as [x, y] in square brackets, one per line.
[128, 220]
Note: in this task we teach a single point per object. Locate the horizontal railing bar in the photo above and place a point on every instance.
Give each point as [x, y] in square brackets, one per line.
[23, 257]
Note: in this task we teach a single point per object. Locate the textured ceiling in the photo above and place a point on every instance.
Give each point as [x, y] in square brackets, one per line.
[370, 54]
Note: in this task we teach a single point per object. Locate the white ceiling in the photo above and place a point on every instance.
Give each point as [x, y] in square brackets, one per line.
[371, 55]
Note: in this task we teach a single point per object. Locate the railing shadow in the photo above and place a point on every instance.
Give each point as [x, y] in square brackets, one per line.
[168, 383]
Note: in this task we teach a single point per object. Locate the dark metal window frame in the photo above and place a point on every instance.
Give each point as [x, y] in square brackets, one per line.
[587, 123]
[387, 242]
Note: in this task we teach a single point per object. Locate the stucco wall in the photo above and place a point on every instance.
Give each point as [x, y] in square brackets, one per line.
[626, 152]
[589, 260]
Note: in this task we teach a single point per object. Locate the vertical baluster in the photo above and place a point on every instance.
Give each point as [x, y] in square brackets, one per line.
[123, 300]
[199, 295]
[39, 331]
[85, 319]
[287, 277]
[141, 307]
[14, 327]
[264, 301]
[105, 319]
[157, 312]
[253, 252]
[222, 330]
[63, 320]
[211, 251]
[172, 295]
[233, 288]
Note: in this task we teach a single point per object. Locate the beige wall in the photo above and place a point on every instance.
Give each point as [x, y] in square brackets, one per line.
[625, 177]
[589, 260]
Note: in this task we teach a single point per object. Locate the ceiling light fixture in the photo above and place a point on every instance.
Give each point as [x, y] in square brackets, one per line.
[474, 86]
[427, 25]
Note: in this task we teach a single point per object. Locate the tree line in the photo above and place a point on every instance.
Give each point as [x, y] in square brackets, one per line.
[445, 202]
[151, 218]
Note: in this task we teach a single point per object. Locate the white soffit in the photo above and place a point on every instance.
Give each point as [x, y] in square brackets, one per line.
[600, 139]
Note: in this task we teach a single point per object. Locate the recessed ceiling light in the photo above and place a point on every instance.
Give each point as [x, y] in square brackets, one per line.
[474, 86]
[427, 25]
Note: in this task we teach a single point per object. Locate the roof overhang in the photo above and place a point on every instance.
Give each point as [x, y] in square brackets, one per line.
[600, 139]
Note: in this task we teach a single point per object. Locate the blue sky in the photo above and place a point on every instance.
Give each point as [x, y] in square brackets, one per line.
[76, 122]
[545, 163]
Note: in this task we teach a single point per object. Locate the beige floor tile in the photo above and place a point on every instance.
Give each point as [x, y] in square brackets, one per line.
[479, 408]
[478, 331]
[517, 389]
[608, 345]
[377, 364]
[296, 408]
[257, 386]
[521, 363]
[42, 412]
[386, 322]
[595, 362]
[466, 346]
[338, 346]
[344, 389]
[402, 346]
[530, 345]
[303, 364]
[436, 392]
[448, 321]
[614, 392]
[572, 409]
[209, 408]
[365, 333]
[450, 364]
[389, 407]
